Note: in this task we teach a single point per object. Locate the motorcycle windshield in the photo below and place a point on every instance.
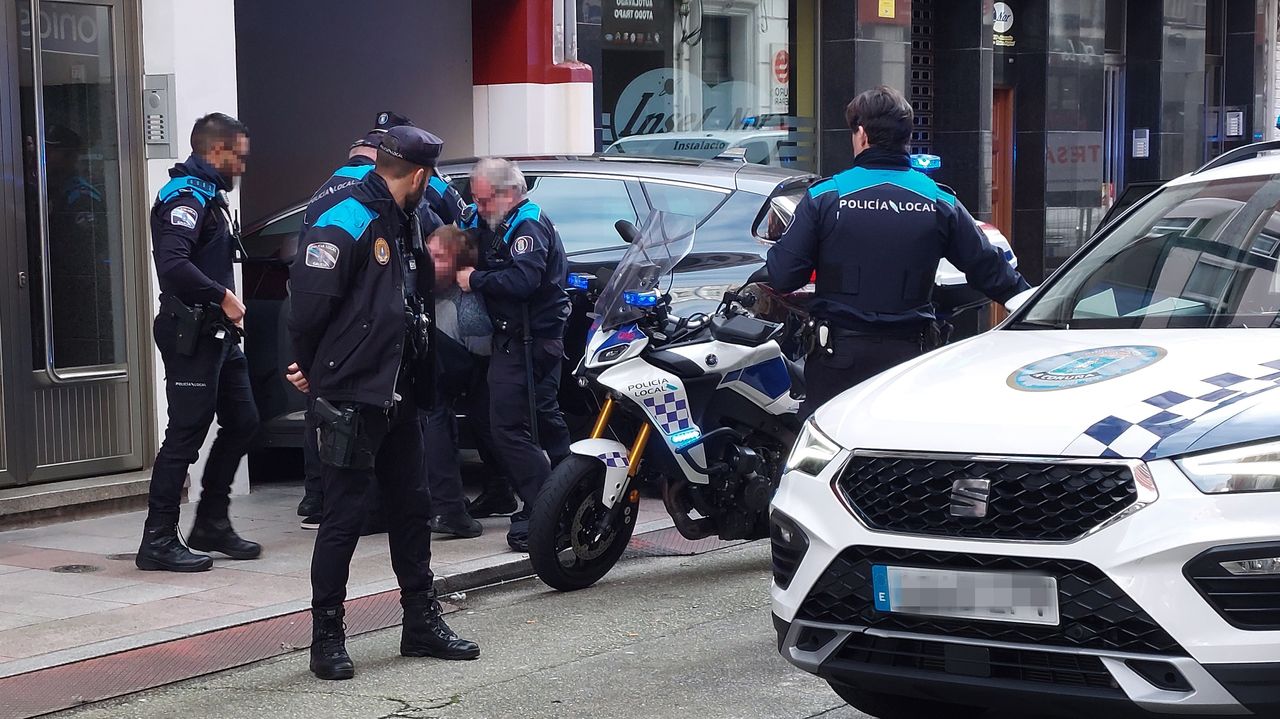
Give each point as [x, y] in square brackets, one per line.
[665, 238]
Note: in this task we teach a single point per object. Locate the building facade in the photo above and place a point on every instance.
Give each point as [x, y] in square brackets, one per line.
[1043, 111]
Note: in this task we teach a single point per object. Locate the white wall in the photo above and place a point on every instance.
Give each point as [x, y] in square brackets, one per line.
[203, 65]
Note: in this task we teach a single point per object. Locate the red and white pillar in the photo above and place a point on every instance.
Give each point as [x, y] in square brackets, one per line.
[525, 101]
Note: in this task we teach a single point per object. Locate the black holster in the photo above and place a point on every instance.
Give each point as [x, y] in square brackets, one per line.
[191, 323]
[341, 442]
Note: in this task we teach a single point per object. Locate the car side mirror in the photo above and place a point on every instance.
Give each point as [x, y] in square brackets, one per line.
[1016, 302]
[627, 230]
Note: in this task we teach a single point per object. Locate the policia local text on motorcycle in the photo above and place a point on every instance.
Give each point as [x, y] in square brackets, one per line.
[361, 326]
[198, 332]
[875, 234]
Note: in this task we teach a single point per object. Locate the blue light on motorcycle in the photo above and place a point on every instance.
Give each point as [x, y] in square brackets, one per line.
[685, 436]
[641, 299]
[926, 163]
[579, 281]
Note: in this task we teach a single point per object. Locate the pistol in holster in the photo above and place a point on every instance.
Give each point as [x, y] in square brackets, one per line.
[340, 440]
[191, 323]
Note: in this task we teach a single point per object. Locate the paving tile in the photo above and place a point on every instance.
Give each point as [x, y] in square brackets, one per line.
[82, 542]
[36, 558]
[5, 569]
[67, 585]
[263, 590]
[51, 606]
[9, 620]
[143, 593]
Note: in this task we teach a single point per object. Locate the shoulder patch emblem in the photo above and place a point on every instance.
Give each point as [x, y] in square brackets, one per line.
[523, 244]
[322, 255]
[183, 217]
[381, 251]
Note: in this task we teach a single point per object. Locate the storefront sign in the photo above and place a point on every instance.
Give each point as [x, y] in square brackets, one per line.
[650, 105]
[781, 91]
[66, 28]
[636, 24]
[887, 9]
[1073, 162]
[1002, 23]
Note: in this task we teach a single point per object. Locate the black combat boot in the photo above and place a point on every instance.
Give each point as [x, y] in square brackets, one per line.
[495, 500]
[329, 658]
[161, 550]
[426, 635]
[216, 535]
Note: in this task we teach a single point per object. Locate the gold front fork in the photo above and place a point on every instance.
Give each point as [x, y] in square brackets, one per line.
[637, 447]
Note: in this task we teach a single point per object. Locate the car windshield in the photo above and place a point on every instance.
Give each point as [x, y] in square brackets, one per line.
[664, 240]
[1194, 256]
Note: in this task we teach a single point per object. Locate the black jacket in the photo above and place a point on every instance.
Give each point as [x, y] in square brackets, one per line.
[191, 234]
[525, 264]
[875, 234]
[444, 200]
[348, 287]
[335, 189]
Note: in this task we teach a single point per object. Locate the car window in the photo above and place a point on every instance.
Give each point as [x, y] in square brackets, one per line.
[583, 209]
[276, 240]
[757, 152]
[682, 199]
[1202, 255]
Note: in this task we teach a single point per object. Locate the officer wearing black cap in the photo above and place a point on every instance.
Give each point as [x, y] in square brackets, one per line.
[361, 327]
[197, 332]
[875, 234]
[523, 283]
[361, 159]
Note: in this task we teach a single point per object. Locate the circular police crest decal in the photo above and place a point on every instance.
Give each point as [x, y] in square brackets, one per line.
[381, 251]
[1077, 369]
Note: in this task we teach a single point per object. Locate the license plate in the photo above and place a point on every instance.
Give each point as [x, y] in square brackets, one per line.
[989, 596]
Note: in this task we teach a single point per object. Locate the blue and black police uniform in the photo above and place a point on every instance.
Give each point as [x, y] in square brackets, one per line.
[524, 276]
[361, 290]
[193, 244]
[875, 234]
[444, 199]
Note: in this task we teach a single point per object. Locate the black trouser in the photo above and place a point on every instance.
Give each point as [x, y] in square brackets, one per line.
[526, 464]
[854, 357]
[311, 467]
[440, 428]
[212, 381]
[396, 445]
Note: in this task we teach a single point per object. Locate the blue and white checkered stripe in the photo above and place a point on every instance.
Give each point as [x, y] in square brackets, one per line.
[1137, 430]
[670, 411]
[613, 459]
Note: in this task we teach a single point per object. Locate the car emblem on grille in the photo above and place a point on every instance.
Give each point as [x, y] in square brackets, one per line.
[969, 497]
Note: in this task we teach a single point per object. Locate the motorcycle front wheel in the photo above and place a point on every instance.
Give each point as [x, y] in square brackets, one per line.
[566, 548]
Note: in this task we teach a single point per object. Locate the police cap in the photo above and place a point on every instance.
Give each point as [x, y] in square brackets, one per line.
[412, 144]
[382, 122]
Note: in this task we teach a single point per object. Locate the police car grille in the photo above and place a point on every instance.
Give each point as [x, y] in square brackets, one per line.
[1038, 501]
[1094, 612]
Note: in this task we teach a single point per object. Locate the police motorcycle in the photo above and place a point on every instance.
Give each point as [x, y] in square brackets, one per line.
[705, 402]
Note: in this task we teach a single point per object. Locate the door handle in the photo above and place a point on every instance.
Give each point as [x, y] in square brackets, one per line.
[22, 279]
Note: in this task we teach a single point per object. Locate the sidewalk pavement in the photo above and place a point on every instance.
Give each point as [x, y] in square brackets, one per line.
[70, 591]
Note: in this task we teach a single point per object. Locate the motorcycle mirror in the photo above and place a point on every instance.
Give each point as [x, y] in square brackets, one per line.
[628, 230]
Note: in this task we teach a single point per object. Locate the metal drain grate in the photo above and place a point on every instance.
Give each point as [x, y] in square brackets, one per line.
[669, 543]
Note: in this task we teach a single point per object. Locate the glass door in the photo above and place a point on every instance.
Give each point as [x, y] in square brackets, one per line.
[79, 246]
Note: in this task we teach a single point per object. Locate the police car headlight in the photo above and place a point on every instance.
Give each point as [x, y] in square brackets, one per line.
[1255, 468]
[812, 452]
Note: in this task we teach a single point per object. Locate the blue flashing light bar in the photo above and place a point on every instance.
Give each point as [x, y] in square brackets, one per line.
[926, 163]
[579, 281]
[685, 436]
[641, 299]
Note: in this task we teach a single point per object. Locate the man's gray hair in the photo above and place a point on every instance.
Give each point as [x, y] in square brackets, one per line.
[501, 174]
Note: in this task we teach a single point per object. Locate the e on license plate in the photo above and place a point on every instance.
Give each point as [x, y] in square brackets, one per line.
[990, 596]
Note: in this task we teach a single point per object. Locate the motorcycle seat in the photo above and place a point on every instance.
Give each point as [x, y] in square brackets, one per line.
[743, 330]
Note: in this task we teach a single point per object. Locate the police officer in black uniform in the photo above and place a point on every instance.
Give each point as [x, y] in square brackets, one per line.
[361, 327]
[197, 331]
[523, 283]
[875, 234]
[361, 159]
[444, 199]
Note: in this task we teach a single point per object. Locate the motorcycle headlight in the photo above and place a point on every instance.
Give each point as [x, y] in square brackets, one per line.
[1255, 468]
[812, 452]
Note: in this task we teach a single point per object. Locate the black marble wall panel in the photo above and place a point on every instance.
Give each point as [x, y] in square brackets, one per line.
[963, 62]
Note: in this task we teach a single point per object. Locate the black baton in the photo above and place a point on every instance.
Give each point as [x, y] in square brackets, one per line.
[528, 373]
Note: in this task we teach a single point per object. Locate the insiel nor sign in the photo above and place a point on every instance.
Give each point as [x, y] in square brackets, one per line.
[1003, 18]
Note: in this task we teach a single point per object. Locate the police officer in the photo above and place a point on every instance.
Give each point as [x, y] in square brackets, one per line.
[197, 333]
[444, 199]
[523, 284]
[361, 159]
[875, 234]
[360, 317]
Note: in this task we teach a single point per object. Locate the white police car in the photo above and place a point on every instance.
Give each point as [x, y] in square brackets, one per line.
[1077, 513]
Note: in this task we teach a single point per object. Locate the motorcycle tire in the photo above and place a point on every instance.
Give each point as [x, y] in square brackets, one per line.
[572, 494]
[886, 706]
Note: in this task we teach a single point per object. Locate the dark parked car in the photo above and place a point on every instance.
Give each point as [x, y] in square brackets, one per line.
[584, 196]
